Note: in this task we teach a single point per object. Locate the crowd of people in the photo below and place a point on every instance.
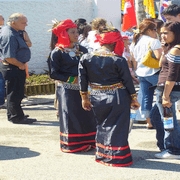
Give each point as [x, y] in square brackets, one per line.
[95, 68]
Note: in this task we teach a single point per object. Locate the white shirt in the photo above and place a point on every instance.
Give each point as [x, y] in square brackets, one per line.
[139, 51]
[90, 39]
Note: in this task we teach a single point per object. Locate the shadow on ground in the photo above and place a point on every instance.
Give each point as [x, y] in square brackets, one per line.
[45, 123]
[10, 153]
[145, 160]
[142, 159]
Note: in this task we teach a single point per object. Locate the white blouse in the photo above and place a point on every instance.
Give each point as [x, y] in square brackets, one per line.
[139, 51]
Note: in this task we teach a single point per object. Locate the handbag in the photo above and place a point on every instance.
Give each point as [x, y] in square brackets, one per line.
[150, 61]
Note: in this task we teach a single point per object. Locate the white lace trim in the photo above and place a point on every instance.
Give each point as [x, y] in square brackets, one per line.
[69, 86]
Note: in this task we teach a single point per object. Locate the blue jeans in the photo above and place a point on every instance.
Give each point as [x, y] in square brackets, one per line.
[2, 89]
[158, 125]
[147, 89]
[171, 138]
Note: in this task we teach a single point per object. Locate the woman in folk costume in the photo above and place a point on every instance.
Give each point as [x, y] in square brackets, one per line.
[111, 96]
[77, 126]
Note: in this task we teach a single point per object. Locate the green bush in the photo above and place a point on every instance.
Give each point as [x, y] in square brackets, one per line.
[39, 79]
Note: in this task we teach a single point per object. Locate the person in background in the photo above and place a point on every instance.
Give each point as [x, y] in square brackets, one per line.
[83, 40]
[111, 96]
[154, 114]
[128, 57]
[172, 13]
[145, 36]
[2, 81]
[81, 23]
[168, 87]
[97, 25]
[159, 24]
[15, 53]
[77, 126]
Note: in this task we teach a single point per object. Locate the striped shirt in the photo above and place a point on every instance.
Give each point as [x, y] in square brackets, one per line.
[173, 58]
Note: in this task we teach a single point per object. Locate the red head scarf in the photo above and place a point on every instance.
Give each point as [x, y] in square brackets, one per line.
[112, 37]
[61, 32]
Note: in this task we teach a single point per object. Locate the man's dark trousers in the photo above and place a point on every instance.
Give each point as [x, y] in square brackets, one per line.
[15, 79]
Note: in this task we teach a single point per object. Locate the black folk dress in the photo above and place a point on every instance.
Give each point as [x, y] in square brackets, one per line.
[77, 126]
[111, 107]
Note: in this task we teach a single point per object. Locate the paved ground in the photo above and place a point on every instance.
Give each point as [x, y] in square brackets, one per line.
[31, 152]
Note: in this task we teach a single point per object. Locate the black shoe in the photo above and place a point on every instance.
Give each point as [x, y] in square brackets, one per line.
[26, 121]
[26, 116]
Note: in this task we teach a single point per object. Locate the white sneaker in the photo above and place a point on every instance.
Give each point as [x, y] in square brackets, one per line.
[166, 155]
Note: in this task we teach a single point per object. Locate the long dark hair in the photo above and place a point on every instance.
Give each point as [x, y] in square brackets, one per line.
[174, 27]
[86, 30]
[54, 38]
[53, 42]
[81, 23]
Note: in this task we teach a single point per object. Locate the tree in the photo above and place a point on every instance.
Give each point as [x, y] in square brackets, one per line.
[140, 11]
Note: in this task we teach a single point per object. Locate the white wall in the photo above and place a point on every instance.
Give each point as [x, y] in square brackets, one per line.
[109, 10]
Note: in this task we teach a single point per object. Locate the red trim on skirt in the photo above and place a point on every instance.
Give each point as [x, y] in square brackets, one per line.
[77, 135]
[75, 143]
[114, 165]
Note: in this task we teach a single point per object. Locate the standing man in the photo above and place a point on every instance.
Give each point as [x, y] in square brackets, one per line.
[2, 82]
[172, 13]
[15, 53]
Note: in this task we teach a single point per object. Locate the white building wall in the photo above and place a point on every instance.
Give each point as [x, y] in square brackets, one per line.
[109, 10]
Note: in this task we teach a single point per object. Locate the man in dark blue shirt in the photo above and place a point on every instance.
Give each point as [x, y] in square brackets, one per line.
[15, 53]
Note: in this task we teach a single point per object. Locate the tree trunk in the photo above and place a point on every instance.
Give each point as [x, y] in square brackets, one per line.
[140, 11]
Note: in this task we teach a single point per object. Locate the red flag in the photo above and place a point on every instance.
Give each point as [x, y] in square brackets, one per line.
[129, 18]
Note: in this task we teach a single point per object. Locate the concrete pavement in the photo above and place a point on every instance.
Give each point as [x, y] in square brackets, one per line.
[31, 152]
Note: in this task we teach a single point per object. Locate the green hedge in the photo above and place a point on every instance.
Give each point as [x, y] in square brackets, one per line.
[39, 79]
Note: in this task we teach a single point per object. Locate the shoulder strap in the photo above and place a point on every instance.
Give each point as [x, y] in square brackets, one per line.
[149, 45]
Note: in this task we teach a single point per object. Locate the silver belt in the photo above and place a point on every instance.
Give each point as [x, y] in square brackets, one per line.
[68, 85]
